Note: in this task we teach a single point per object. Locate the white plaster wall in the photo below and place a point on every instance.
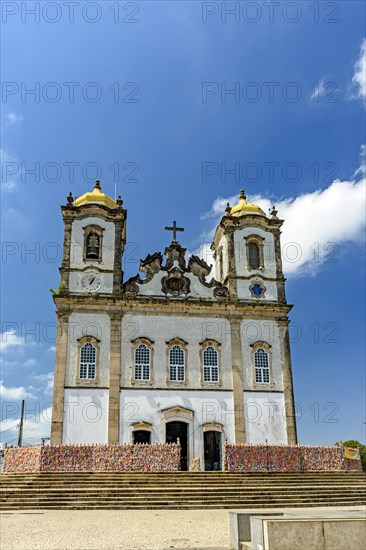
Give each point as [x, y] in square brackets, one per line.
[252, 331]
[208, 406]
[269, 269]
[85, 416]
[245, 294]
[241, 262]
[223, 245]
[264, 414]
[77, 243]
[161, 329]
[97, 325]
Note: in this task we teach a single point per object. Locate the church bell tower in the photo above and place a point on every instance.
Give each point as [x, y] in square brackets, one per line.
[94, 240]
[247, 253]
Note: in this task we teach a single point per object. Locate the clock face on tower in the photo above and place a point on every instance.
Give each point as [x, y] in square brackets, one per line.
[91, 281]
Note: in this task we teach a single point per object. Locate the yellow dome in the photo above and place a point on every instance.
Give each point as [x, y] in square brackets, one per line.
[95, 197]
[243, 207]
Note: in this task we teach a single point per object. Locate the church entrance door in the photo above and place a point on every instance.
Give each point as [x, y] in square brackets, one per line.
[175, 430]
[212, 450]
[141, 436]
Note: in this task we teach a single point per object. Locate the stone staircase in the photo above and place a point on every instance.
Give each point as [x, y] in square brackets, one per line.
[185, 490]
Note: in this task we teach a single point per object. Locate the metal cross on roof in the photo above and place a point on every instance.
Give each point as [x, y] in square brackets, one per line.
[174, 229]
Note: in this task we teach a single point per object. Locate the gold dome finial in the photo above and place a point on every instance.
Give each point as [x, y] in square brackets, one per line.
[96, 197]
[243, 207]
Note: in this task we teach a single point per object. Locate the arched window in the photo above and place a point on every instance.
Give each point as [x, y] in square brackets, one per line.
[142, 362]
[93, 246]
[254, 257]
[210, 365]
[88, 362]
[176, 364]
[261, 366]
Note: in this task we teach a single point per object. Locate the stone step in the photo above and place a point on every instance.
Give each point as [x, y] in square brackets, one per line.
[137, 498]
[131, 503]
[184, 475]
[182, 490]
[179, 505]
[158, 491]
[246, 482]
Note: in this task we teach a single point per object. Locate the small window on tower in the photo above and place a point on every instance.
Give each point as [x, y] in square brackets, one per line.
[93, 247]
[261, 363]
[254, 257]
[88, 362]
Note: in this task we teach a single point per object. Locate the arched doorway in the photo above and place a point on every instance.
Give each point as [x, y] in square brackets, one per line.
[212, 450]
[179, 430]
[141, 436]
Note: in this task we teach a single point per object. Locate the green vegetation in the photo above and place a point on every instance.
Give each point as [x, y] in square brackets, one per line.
[61, 289]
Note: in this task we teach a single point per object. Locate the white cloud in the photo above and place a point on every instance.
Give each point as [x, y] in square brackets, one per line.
[316, 224]
[52, 348]
[359, 77]
[45, 381]
[13, 118]
[37, 424]
[8, 186]
[319, 91]
[9, 340]
[11, 363]
[14, 392]
[9, 171]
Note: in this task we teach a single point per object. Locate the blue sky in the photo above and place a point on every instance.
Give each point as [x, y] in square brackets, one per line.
[144, 94]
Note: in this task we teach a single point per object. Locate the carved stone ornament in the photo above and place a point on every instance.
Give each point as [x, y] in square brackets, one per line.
[151, 265]
[199, 267]
[175, 253]
[175, 283]
[221, 291]
[131, 287]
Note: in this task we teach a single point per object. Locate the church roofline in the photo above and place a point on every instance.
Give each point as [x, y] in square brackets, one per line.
[126, 304]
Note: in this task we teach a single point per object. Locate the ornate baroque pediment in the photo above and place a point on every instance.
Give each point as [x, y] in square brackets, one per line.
[175, 278]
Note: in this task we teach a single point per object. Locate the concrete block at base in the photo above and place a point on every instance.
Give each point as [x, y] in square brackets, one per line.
[285, 533]
[344, 535]
[239, 524]
[292, 535]
[239, 520]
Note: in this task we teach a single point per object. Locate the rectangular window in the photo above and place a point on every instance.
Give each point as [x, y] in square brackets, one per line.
[176, 366]
[261, 363]
[83, 371]
[142, 362]
[211, 374]
[176, 373]
[88, 358]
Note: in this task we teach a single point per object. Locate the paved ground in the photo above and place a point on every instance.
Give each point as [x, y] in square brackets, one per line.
[115, 529]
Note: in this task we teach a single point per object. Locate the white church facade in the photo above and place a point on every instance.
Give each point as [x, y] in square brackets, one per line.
[173, 352]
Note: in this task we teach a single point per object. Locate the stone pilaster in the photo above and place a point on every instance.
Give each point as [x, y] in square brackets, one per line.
[281, 295]
[230, 257]
[118, 251]
[238, 382]
[114, 378]
[288, 382]
[59, 379]
[66, 257]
